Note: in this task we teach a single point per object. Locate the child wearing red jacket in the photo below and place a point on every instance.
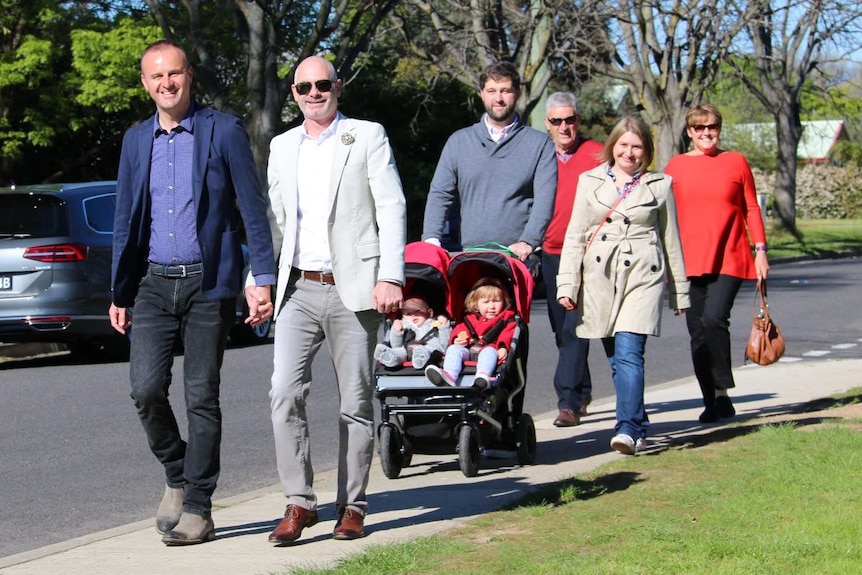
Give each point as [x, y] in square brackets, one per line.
[485, 334]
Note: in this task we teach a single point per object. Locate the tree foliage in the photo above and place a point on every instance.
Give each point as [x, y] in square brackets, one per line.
[666, 51]
[46, 133]
[791, 41]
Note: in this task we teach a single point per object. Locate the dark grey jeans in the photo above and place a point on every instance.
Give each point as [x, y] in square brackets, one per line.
[170, 313]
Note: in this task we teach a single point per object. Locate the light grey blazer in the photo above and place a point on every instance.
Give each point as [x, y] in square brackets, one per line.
[367, 210]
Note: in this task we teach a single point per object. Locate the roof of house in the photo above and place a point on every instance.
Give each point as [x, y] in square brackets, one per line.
[818, 136]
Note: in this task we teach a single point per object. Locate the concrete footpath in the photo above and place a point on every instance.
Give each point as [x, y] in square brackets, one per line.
[432, 495]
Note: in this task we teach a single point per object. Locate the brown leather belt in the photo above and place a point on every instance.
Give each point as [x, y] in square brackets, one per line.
[319, 277]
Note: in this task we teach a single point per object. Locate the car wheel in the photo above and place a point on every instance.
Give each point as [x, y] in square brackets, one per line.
[245, 334]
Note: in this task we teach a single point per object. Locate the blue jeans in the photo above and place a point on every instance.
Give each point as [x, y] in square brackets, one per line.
[572, 380]
[625, 353]
[166, 312]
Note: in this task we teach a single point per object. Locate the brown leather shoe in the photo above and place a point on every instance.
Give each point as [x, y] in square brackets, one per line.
[582, 411]
[350, 525]
[296, 519]
[567, 418]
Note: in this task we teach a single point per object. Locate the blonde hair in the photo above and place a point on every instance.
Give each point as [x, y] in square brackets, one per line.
[637, 127]
[700, 112]
[487, 287]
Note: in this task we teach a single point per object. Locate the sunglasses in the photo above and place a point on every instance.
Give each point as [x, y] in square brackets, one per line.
[303, 88]
[699, 128]
[571, 120]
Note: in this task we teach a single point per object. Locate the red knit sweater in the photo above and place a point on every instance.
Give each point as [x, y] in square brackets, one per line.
[717, 210]
[585, 157]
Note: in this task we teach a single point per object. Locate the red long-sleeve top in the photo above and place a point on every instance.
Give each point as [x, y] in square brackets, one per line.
[717, 209]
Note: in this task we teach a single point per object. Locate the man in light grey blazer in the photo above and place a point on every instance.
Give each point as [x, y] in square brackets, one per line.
[338, 221]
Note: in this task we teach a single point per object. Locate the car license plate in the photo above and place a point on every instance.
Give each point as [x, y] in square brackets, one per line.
[5, 283]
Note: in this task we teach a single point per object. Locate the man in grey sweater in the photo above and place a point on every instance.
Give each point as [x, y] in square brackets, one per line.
[503, 172]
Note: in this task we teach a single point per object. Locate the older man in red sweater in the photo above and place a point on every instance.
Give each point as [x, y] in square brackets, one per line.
[575, 155]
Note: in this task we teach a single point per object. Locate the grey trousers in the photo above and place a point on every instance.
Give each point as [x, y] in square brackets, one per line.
[312, 313]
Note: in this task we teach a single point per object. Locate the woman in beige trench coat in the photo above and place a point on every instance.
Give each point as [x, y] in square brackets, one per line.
[621, 249]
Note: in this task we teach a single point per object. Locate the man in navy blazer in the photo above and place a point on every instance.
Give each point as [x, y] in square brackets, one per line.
[178, 261]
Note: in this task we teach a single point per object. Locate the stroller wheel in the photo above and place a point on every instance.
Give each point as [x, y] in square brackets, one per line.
[389, 448]
[525, 439]
[468, 451]
[406, 452]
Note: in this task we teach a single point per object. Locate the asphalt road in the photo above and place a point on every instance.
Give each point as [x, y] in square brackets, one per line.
[73, 458]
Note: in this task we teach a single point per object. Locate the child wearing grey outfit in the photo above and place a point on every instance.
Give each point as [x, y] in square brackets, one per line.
[414, 336]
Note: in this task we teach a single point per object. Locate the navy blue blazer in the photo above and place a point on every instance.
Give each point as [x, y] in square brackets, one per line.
[224, 176]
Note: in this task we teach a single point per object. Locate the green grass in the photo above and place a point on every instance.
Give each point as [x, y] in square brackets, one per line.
[780, 499]
[820, 238]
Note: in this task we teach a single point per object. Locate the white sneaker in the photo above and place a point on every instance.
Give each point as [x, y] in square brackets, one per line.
[439, 377]
[641, 443]
[624, 444]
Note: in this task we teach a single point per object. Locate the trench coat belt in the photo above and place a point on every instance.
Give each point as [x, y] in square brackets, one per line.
[320, 277]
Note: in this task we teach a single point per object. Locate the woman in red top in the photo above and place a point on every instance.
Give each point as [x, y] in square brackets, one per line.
[718, 211]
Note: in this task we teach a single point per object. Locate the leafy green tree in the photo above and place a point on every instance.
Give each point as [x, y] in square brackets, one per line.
[791, 42]
[47, 132]
[245, 51]
[667, 52]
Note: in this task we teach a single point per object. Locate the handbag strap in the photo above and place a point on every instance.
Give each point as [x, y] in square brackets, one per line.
[764, 305]
[601, 223]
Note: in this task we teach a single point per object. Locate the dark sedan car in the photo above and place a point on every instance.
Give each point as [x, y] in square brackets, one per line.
[55, 268]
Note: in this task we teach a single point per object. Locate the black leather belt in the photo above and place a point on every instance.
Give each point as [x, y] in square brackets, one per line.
[180, 271]
[319, 277]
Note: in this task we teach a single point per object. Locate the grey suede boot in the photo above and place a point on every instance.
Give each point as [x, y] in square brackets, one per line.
[191, 530]
[170, 509]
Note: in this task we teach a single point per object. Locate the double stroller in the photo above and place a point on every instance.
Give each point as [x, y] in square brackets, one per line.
[419, 417]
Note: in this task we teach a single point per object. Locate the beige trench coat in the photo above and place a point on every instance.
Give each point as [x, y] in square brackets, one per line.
[619, 282]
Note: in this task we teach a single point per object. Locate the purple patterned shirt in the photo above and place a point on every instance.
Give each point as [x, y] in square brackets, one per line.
[173, 230]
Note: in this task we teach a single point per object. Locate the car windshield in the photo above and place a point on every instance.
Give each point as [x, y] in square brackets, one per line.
[32, 216]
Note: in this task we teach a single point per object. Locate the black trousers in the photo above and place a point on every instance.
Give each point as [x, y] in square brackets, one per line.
[708, 322]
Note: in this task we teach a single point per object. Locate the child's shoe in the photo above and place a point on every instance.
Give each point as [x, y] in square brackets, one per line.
[386, 356]
[439, 377]
[420, 357]
[481, 381]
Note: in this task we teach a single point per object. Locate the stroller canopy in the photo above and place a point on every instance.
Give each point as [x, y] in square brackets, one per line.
[425, 271]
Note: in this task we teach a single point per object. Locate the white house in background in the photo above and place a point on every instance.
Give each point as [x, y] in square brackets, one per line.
[818, 137]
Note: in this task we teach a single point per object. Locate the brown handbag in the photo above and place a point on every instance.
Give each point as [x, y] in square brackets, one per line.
[766, 342]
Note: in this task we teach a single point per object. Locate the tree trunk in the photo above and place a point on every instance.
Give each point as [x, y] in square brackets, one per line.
[788, 130]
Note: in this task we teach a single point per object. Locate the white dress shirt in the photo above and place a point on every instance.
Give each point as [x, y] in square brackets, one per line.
[312, 185]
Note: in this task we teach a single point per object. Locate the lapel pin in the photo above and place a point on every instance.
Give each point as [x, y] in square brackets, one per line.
[347, 138]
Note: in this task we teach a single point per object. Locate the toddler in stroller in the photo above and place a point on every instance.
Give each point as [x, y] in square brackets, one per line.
[484, 336]
[416, 336]
[468, 419]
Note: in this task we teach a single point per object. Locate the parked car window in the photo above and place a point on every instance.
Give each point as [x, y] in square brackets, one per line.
[32, 217]
[99, 212]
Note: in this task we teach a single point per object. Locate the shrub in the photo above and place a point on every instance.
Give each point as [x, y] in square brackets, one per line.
[822, 191]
